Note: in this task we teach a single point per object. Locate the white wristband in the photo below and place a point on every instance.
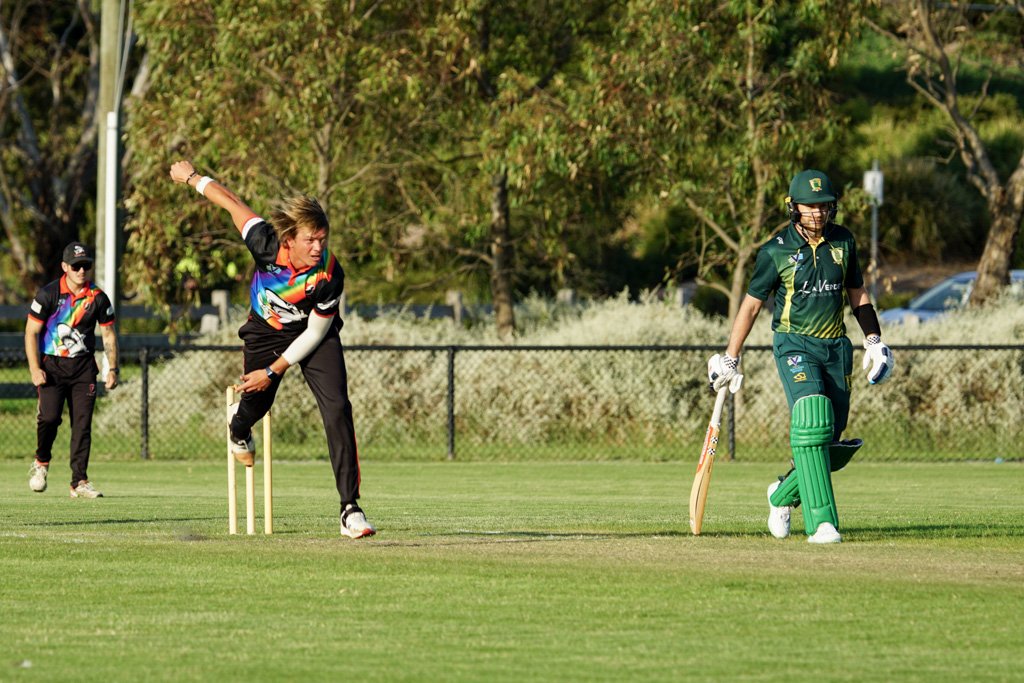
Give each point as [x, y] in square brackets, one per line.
[201, 185]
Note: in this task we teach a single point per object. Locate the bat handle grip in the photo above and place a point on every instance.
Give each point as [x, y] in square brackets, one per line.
[716, 417]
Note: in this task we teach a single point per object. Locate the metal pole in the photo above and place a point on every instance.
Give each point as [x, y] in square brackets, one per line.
[451, 402]
[144, 407]
[110, 20]
[876, 199]
[874, 251]
[110, 214]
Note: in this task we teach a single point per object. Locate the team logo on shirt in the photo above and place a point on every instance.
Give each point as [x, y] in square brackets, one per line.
[273, 307]
[820, 288]
[72, 341]
[837, 255]
[327, 304]
[796, 258]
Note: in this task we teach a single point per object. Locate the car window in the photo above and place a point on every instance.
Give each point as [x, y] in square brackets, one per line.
[944, 297]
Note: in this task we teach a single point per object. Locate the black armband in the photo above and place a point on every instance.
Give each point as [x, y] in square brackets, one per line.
[868, 319]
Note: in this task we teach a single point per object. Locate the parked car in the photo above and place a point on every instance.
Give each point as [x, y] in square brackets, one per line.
[949, 295]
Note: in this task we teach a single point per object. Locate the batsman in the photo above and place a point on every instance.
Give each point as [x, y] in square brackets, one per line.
[811, 268]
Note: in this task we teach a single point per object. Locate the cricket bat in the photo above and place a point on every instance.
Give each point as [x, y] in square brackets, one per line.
[701, 480]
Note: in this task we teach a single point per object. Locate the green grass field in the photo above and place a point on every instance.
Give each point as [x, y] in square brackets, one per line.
[511, 572]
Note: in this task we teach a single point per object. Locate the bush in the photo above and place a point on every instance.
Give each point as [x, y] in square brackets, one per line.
[601, 405]
[930, 212]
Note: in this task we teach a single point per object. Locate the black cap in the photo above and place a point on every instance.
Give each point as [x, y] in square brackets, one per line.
[76, 253]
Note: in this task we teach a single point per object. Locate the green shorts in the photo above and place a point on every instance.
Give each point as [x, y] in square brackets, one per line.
[808, 366]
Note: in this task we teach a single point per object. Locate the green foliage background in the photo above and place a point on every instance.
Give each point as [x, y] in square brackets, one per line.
[610, 121]
[621, 127]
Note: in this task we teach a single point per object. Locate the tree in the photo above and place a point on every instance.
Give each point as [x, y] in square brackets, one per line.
[725, 101]
[515, 66]
[941, 42]
[49, 60]
[436, 127]
[276, 102]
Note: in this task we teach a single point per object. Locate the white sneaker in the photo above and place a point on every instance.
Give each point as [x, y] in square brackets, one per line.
[244, 450]
[37, 476]
[85, 490]
[778, 517]
[826, 533]
[354, 524]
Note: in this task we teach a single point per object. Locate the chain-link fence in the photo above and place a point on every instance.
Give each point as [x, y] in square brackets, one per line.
[523, 402]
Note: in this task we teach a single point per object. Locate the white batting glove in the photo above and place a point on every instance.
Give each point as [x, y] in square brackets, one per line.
[879, 358]
[722, 371]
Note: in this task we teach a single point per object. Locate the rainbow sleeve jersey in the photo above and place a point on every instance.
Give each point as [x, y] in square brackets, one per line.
[282, 297]
[69, 319]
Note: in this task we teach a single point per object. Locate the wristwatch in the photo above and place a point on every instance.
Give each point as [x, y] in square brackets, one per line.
[270, 373]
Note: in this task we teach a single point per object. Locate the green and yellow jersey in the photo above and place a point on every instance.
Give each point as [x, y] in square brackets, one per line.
[809, 283]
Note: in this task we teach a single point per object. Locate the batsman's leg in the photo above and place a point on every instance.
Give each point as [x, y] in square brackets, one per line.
[840, 454]
[810, 434]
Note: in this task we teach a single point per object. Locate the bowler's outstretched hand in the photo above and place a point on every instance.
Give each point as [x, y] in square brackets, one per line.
[181, 171]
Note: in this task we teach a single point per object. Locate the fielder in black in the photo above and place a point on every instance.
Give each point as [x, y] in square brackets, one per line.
[295, 293]
[60, 343]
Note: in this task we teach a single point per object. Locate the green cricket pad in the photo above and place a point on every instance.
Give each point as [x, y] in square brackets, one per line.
[809, 435]
[839, 455]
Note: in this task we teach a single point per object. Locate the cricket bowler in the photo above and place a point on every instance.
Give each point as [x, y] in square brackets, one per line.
[294, 320]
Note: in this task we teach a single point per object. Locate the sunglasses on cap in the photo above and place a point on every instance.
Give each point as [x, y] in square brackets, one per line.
[84, 265]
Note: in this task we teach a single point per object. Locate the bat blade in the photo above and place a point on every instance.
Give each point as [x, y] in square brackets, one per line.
[702, 479]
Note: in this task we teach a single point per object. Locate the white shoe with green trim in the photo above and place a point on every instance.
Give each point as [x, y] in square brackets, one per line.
[826, 533]
[778, 517]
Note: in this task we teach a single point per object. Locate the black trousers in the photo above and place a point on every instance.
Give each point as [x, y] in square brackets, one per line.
[324, 372]
[72, 380]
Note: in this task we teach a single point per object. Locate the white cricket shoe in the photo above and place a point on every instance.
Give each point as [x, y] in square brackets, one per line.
[244, 450]
[826, 533]
[85, 490]
[354, 524]
[778, 517]
[37, 476]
